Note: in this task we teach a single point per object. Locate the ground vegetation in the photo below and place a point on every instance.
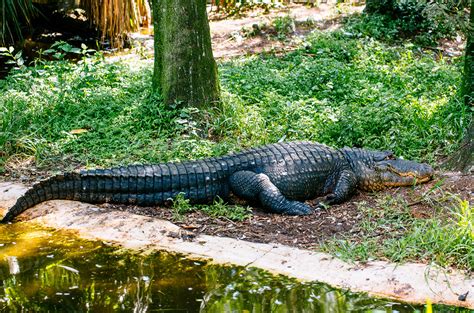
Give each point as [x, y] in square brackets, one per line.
[344, 86]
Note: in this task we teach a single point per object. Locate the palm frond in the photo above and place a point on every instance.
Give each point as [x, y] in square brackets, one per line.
[116, 18]
[113, 18]
[15, 15]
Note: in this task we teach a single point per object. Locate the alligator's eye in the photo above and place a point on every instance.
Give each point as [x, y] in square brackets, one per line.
[381, 167]
[390, 156]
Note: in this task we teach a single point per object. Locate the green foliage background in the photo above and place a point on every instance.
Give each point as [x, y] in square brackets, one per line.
[339, 88]
[425, 21]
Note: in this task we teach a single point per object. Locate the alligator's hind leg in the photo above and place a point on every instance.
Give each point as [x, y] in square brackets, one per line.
[252, 186]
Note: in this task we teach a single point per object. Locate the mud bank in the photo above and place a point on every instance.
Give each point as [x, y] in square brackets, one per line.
[412, 283]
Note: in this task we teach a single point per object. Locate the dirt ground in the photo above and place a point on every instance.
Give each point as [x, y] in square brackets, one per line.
[252, 31]
[311, 230]
[229, 38]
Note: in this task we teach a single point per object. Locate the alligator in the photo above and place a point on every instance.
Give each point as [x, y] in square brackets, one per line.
[277, 176]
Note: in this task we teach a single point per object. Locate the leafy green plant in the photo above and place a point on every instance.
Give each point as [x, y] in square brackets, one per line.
[391, 232]
[180, 206]
[14, 58]
[464, 216]
[220, 209]
[283, 25]
[60, 49]
[424, 21]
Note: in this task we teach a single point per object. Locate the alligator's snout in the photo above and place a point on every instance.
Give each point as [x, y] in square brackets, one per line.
[399, 172]
[412, 169]
[425, 171]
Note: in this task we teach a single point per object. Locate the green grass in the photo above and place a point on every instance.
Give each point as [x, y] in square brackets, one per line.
[390, 231]
[340, 90]
[347, 92]
[218, 209]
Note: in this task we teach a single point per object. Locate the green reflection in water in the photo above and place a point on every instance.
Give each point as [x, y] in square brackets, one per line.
[53, 271]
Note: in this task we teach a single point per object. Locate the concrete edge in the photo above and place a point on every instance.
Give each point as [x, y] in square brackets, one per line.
[411, 282]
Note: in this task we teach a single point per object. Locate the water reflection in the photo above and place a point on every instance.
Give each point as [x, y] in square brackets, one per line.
[251, 290]
[50, 271]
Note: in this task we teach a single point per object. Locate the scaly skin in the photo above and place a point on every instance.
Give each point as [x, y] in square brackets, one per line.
[278, 176]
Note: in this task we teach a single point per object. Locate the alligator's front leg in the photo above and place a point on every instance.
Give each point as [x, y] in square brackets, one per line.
[345, 186]
[252, 186]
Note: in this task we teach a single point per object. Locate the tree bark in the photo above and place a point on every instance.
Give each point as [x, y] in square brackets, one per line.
[463, 159]
[185, 71]
[468, 84]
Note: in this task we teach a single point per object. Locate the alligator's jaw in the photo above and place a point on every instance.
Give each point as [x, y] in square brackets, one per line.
[407, 179]
[396, 173]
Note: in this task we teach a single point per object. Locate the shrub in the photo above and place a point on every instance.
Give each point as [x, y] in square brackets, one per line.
[424, 21]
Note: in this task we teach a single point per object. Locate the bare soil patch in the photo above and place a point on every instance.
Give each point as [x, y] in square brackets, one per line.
[309, 231]
[229, 37]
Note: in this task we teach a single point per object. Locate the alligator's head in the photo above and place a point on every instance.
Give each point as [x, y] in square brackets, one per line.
[378, 170]
[394, 173]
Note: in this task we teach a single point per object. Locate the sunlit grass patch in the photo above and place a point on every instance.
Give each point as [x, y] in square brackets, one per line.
[345, 91]
[337, 89]
[391, 231]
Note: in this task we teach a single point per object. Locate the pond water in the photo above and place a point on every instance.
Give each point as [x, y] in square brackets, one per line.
[45, 270]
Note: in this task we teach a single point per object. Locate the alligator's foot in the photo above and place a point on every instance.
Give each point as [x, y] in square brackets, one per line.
[297, 208]
[326, 202]
[345, 187]
[252, 186]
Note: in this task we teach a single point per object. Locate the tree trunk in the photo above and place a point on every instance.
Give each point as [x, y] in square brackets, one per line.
[185, 71]
[468, 84]
[463, 159]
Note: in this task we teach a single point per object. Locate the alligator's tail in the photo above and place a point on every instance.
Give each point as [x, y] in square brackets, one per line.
[146, 185]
